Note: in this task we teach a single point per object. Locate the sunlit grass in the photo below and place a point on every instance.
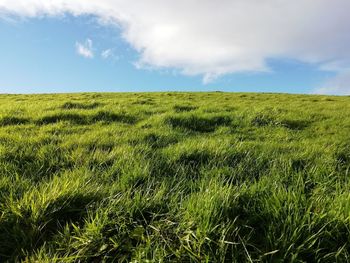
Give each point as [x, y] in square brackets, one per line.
[174, 177]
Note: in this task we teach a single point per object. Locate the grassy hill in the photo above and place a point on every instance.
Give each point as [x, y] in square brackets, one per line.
[174, 177]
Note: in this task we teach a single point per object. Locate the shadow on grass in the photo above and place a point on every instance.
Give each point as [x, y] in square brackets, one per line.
[262, 120]
[84, 106]
[73, 118]
[11, 120]
[342, 158]
[28, 161]
[299, 165]
[247, 165]
[108, 117]
[295, 124]
[195, 159]
[184, 108]
[158, 141]
[80, 119]
[263, 215]
[198, 124]
[24, 231]
[144, 102]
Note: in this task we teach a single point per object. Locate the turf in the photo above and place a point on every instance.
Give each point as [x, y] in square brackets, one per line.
[174, 177]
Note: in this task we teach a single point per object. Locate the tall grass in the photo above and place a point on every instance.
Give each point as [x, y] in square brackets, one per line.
[174, 177]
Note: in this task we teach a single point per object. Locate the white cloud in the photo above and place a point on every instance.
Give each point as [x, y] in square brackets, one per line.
[339, 85]
[85, 49]
[110, 54]
[213, 38]
[107, 53]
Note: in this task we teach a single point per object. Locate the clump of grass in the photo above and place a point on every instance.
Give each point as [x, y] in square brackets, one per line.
[295, 124]
[36, 162]
[159, 140]
[198, 123]
[195, 158]
[109, 117]
[12, 120]
[264, 120]
[73, 118]
[182, 108]
[75, 105]
[83, 119]
[270, 119]
[342, 157]
[40, 213]
[146, 101]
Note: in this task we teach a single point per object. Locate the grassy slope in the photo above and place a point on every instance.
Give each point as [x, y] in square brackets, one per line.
[174, 177]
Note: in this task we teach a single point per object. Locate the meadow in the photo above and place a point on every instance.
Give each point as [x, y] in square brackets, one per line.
[174, 177]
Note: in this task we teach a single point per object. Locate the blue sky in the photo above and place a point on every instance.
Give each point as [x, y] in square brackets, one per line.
[39, 54]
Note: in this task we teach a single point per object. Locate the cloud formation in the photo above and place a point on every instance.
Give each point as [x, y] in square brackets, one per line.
[85, 49]
[213, 38]
[106, 53]
[339, 85]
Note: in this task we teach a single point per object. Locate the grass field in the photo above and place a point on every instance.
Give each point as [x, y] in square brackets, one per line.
[174, 177]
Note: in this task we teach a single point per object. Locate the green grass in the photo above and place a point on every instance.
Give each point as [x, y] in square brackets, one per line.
[174, 177]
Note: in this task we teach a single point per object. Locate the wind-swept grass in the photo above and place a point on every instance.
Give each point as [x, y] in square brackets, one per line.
[174, 177]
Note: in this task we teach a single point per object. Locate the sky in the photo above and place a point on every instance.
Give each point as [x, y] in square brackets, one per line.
[300, 46]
